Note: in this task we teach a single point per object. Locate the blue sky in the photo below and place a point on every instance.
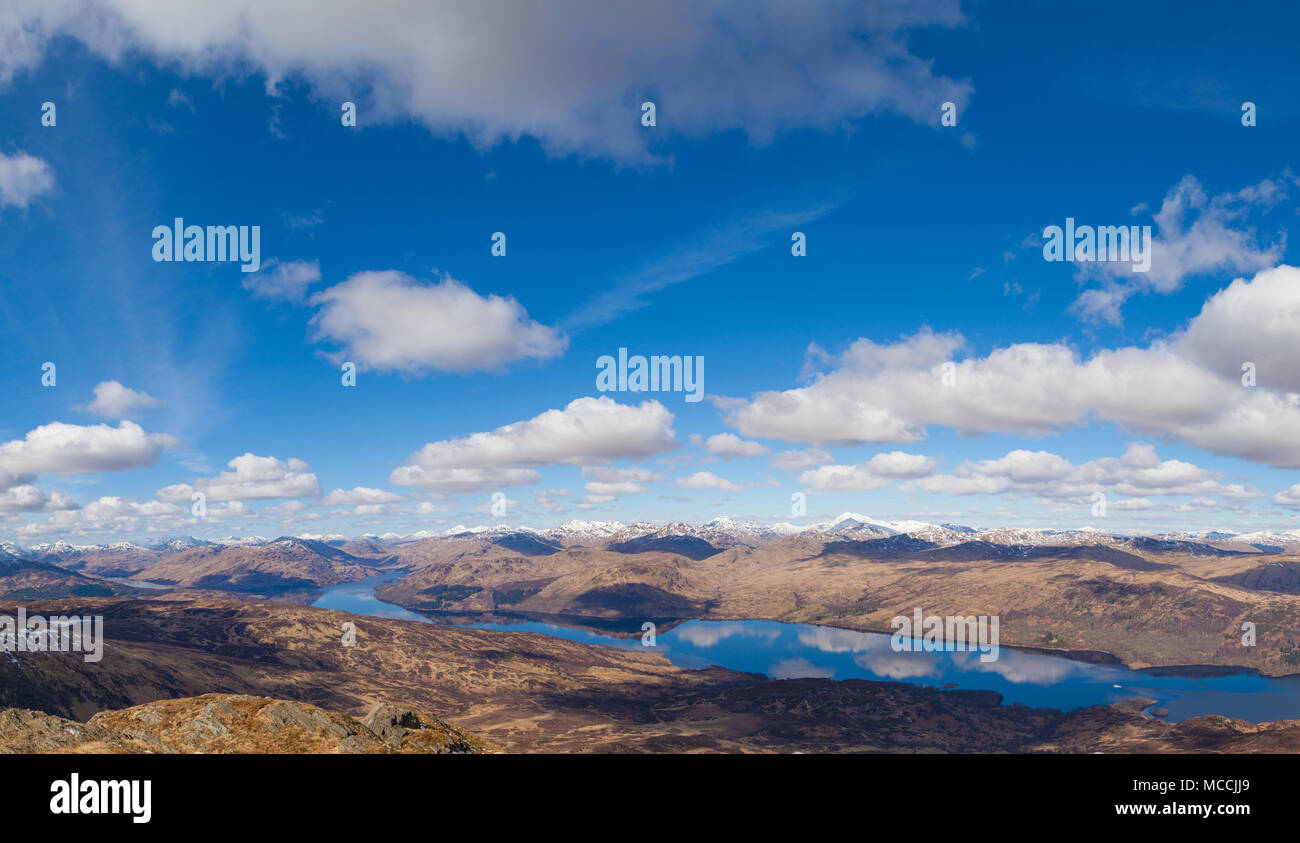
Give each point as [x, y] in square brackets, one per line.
[1072, 379]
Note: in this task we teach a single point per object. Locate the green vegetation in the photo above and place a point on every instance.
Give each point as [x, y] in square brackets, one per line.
[444, 594]
[513, 595]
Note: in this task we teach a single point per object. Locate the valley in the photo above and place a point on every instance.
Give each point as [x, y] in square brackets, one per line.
[188, 618]
[525, 692]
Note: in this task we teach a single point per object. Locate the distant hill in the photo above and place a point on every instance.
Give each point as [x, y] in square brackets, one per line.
[22, 579]
[281, 565]
[1283, 577]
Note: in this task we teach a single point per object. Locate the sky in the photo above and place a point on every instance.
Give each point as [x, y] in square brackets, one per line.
[921, 359]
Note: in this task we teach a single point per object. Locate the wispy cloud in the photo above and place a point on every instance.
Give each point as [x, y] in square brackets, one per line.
[721, 247]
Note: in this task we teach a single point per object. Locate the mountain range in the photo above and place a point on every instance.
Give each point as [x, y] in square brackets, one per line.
[719, 532]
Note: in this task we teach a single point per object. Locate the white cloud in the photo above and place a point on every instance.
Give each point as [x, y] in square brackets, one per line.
[706, 480]
[388, 321]
[612, 490]
[284, 509]
[606, 474]
[1289, 498]
[568, 72]
[1194, 235]
[795, 460]
[1187, 387]
[730, 446]
[588, 430]
[176, 99]
[110, 515]
[876, 473]
[23, 177]
[59, 448]
[900, 465]
[28, 498]
[453, 481]
[283, 281]
[1199, 505]
[8, 479]
[1138, 473]
[253, 478]
[359, 495]
[114, 401]
[1253, 321]
[610, 483]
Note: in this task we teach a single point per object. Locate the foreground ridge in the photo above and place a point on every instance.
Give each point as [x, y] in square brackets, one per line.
[235, 723]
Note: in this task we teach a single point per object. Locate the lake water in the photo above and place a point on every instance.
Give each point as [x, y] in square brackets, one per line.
[790, 650]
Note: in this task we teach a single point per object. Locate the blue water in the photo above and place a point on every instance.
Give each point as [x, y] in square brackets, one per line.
[791, 650]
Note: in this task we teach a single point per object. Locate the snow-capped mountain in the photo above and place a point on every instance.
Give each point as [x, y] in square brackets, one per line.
[241, 541]
[178, 544]
[60, 548]
[726, 532]
[584, 532]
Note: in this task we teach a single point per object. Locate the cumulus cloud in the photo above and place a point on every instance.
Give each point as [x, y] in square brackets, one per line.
[284, 509]
[879, 471]
[587, 431]
[1139, 472]
[706, 480]
[8, 479]
[283, 281]
[1289, 498]
[795, 460]
[114, 401]
[1195, 234]
[23, 177]
[28, 498]
[609, 491]
[1250, 321]
[453, 481]
[730, 446]
[570, 73]
[1187, 387]
[252, 478]
[110, 515]
[1132, 504]
[606, 474]
[359, 495]
[1200, 505]
[59, 448]
[610, 483]
[388, 321]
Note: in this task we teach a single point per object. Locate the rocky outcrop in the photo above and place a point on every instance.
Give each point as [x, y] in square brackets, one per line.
[407, 730]
[235, 723]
